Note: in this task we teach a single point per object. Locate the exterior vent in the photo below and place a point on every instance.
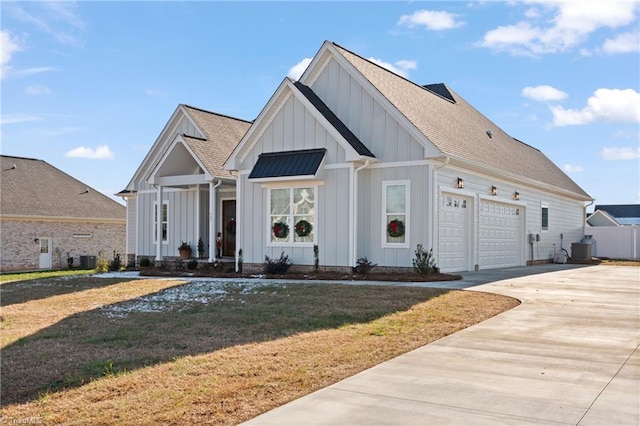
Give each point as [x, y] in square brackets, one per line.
[489, 133]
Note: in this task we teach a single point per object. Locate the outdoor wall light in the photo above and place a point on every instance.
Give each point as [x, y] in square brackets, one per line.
[516, 195]
[460, 183]
[494, 190]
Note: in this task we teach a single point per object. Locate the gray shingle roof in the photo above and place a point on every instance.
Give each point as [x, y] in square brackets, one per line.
[288, 163]
[36, 188]
[222, 135]
[458, 129]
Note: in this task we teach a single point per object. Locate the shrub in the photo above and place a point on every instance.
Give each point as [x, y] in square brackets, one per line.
[363, 266]
[316, 257]
[239, 261]
[145, 262]
[102, 264]
[192, 264]
[278, 266]
[116, 263]
[424, 262]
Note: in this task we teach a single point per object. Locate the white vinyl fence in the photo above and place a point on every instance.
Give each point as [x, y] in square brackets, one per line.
[615, 242]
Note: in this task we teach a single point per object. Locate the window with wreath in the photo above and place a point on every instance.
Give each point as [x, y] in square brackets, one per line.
[165, 221]
[292, 215]
[396, 207]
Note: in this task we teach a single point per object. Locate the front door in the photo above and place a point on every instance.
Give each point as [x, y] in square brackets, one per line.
[228, 227]
[46, 257]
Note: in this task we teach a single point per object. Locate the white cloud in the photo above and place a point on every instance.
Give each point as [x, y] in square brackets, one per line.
[57, 19]
[18, 118]
[38, 89]
[543, 93]
[8, 46]
[570, 168]
[155, 92]
[559, 26]
[620, 153]
[608, 105]
[623, 43]
[32, 71]
[296, 71]
[102, 152]
[399, 67]
[431, 20]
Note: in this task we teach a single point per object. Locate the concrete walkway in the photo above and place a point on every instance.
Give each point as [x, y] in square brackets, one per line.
[567, 355]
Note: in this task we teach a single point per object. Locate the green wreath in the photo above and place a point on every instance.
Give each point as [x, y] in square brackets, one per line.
[303, 228]
[280, 230]
[395, 228]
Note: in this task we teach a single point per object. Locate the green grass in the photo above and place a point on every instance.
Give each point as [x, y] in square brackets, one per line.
[8, 277]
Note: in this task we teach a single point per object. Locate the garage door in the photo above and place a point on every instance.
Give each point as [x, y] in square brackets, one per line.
[455, 223]
[500, 235]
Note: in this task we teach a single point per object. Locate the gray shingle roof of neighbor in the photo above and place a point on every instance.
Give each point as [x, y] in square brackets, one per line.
[288, 163]
[457, 129]
[620, 210]
[36, 188]
[222, 135]
[352, 139]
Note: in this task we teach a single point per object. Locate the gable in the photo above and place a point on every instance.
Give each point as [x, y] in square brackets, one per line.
[36, 188]
[295, 119]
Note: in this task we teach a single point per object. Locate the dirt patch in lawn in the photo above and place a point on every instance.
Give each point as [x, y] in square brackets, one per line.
[158, 351]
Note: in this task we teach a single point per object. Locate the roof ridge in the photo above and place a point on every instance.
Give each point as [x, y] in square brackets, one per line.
[216, 113]
[21, 158]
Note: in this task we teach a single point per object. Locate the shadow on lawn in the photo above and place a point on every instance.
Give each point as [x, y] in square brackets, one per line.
[29, 290]
[123, 337]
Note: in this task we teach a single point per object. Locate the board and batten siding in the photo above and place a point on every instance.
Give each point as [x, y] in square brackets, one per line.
[331, 227]
[182, 221]
[294, 128]
[371, 222]
[387, 139]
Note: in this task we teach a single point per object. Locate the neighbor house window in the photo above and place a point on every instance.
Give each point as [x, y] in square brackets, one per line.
[165, 221]
[395, 197]
[292, 217]
[545, 217]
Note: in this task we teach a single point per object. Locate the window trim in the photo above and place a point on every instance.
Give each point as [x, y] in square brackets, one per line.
[155, 223]
[407, 223]
[543, 206]
[291, 242]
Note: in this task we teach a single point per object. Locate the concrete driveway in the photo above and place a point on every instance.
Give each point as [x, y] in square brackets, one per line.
[567, 355]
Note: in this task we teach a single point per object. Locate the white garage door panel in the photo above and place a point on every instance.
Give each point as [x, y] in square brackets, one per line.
[500, 235]
[455, 212]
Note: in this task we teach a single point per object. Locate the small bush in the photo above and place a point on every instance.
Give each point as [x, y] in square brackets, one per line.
[116, 263]
[192, 264]
[102, 264]
[316, 257]
[279, 266]
[363, 266]
[424, 262]
[239, 261]
[145, 262]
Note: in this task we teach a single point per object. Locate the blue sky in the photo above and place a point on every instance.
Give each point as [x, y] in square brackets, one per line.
[88, 86]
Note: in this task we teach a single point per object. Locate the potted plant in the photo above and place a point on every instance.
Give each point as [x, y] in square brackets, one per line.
[185, 250]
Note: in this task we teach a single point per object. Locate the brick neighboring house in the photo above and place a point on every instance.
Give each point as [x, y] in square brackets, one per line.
[47, 216]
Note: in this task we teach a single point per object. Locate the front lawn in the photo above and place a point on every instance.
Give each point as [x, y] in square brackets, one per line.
[146, 351]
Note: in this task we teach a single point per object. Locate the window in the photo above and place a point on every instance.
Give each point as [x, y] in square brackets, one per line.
[292, 215]
[545, 217]
[396, 217]
[165, 221]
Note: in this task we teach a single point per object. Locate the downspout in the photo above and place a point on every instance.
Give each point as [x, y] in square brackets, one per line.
[584, 225]
[213, 198]
[353, 213]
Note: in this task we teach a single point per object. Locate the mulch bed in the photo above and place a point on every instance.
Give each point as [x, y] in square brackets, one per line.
[330, 276]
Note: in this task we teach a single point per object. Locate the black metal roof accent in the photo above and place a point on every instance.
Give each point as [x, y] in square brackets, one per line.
[288, 163]
[441, 90]
[334, 120]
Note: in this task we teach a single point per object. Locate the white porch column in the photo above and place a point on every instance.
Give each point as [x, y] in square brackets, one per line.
[213, 229]
[159, 224]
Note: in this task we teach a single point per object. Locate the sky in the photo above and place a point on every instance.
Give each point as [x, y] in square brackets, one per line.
[88, 86]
